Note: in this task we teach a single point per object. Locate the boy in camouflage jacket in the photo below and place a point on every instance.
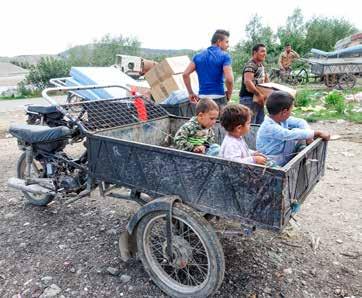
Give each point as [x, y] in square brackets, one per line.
[196, 135]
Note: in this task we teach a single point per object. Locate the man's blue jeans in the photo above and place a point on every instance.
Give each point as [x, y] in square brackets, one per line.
[258, 110]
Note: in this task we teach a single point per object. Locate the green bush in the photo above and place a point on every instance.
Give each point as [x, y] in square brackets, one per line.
[24, 90]
[303, 98]
[336, 101]
[45, 70]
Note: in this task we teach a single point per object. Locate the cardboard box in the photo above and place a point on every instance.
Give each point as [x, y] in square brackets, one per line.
[165, 69]
[163, 89]
[174, 65]
[159, 93]
[153, 76]
[267, 88]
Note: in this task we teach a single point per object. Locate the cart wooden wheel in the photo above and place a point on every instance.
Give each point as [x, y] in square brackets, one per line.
[196, 268]
[330, 80]
[36, 171]
[347, 81]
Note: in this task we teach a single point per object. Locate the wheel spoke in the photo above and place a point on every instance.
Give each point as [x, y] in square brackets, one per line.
[200, 268]
[190, 277]
[157, 249]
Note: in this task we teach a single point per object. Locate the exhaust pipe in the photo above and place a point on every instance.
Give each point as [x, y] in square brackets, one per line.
[21, 184]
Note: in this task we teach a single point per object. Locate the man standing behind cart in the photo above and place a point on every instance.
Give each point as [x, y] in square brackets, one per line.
[254, 74]
[286, 59]
[212, 66]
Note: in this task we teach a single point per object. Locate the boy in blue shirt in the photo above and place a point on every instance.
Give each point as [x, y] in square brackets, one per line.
[280, 134]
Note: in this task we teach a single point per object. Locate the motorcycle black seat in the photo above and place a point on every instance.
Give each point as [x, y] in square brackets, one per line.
[42, 109]
[39, 134]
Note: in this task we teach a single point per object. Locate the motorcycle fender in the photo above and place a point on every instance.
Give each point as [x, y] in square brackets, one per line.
[164, 203]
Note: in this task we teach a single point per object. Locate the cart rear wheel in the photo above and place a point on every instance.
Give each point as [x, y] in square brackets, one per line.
[330, 80]
[197, 265]
[36, 171]
[347, 81]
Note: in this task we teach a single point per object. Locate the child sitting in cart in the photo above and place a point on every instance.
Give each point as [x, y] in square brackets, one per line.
[197, 135]
[236, 120]
[281, 136]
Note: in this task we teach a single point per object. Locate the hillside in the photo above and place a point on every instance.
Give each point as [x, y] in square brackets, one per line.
[144, 52]
[27, 59]
[150, 53]
[84, 50]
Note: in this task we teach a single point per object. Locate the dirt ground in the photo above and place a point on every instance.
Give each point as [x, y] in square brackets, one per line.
[60, 251]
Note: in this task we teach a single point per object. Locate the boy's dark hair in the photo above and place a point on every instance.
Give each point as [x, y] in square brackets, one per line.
[287, 44]
[219, 35]
[278, 101]
[234, 115]
[205, 105]
[257, 47]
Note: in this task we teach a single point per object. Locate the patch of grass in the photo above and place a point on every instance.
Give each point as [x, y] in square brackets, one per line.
[354, 117]
[22, 92]
[10, 97]
[303, 98]
[335, 100]
[330, 114]
[317, 104]
[317, 116]
[354, 90]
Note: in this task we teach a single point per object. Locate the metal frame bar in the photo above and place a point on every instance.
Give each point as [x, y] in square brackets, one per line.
[61, 82]
[47, 97]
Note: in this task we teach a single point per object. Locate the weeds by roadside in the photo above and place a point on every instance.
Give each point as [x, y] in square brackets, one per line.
[314, 104]
[21, 92]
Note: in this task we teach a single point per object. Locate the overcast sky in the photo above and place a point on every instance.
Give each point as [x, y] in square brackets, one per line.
[49, 27]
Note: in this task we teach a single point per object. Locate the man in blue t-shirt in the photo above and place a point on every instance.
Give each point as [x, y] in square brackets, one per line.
[212, 66]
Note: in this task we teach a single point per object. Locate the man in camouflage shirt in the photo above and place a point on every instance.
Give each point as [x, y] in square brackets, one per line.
[197, 135]
[286, 59]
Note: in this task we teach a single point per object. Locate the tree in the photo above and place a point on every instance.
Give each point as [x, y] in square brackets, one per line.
[48, 68]
[323, 33]
[293, 32]
[256, 32]
[102, 52]
[79, 55]
[105, 50]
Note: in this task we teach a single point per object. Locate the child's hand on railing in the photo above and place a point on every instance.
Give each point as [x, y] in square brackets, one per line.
[323, 135]
[260, 160]
[199, 149]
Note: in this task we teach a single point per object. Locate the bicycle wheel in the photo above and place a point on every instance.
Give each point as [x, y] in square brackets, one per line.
[302, 77]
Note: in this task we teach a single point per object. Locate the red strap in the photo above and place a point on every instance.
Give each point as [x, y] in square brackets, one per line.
[133, 90]
[141, 109]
